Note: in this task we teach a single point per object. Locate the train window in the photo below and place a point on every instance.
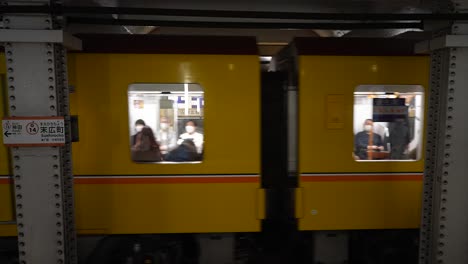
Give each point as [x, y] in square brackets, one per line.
[166, 122]
[388, 122]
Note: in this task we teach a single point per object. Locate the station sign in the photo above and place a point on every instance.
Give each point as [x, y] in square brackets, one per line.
[389, 109]
[33, 131]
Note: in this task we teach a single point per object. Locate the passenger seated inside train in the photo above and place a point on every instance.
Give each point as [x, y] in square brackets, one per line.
[186, 151]
[146, 148]
[191, 133]
[166, 136]
[394, 115]
[166, 122]
[139, 124]
[367, 142]
[390, 140]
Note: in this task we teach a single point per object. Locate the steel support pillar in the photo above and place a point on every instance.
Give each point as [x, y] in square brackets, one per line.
[444, 226]
[37, 87]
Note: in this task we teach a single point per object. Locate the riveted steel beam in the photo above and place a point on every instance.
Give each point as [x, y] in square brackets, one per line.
[37, 87]
[444, 226]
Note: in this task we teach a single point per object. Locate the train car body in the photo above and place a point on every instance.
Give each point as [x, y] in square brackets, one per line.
[336, 191]
[115, 195]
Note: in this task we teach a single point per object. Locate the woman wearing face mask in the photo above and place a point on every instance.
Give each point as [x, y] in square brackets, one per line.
[146, 148]
[362, 141]
[139, 125]
[191, 133]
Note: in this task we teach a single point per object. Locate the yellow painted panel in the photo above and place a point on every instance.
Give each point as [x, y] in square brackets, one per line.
[166, 208]
[160, 208]
[6, 210]
[4, 154]
[232, 115]
[335, 111]
[326, 147]
[6, 213]
[361, 205]
[330, 150]
[8, 230]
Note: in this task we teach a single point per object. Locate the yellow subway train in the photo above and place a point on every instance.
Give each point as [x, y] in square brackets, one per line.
[337, 82]
[246, 155]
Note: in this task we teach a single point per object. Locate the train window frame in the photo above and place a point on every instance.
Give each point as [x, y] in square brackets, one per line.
[164, 91]
[415, 129]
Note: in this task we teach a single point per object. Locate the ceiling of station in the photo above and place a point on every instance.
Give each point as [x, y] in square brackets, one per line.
[351, 6]
[270, 39]
[274, 30]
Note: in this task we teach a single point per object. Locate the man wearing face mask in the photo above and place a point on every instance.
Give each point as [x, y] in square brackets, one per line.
[139, 125]
[361, 140]
[191, 133]
[166, 136]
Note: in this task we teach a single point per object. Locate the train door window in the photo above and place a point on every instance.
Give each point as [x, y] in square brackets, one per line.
[166, 123]
[388, 122]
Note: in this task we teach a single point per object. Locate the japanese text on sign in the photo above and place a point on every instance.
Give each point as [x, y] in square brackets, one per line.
[34, 131]
[389, 109]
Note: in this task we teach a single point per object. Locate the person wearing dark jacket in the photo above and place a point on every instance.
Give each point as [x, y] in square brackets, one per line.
[146, 149]
[139, 125]
[361, 141]
[399, 139]
[186, 151]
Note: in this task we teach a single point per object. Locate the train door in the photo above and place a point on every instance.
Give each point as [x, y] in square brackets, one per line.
[274, 147]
